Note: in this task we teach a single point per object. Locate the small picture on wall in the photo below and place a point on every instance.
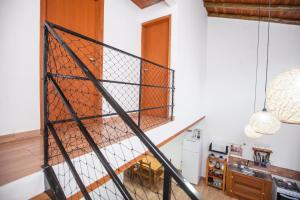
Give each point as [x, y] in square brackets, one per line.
[236, 150]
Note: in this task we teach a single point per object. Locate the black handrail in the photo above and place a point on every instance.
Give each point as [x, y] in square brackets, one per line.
[183, 183]
[103, 44]
[91, 142]
[110, 114]
[111, 81]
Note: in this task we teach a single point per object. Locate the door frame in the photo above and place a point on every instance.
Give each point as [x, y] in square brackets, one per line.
[153, 22]
[43, 13]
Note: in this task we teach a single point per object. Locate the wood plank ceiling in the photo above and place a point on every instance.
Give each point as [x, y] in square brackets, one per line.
[281, 11]
[145, 3]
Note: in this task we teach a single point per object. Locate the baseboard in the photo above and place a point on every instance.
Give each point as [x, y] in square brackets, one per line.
[19, 136]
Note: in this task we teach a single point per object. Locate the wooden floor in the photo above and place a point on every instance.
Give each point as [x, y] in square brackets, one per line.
[210, 193]
[22, 154]
[207, 193]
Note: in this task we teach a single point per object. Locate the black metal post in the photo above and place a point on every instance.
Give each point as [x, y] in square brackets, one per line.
[167, 186]
[140, 93]
[53, 182]
[45, 95]
[69, 163]
[173, 90]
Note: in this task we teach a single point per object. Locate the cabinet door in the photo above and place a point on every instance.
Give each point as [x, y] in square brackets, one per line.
[247, 187]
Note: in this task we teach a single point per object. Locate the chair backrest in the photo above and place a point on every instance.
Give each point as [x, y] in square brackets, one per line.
[145, 164]
[144, 169]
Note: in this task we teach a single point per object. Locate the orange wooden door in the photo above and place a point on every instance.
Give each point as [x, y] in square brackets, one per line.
[84, 17]
[156, 48]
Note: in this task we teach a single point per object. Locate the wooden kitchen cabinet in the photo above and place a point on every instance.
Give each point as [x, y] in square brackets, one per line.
[248, 187]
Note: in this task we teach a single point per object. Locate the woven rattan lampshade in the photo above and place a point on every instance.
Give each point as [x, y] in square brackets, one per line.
[283, 96]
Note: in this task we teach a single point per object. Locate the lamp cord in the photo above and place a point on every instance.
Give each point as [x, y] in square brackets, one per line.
[267, 63]
[257, 54]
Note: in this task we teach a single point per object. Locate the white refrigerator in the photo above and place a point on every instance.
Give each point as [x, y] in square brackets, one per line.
[191, 158]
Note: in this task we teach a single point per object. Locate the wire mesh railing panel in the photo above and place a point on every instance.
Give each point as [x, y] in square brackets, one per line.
[140, 87]
[83, 119]
[86, 163]
[126, 95]
[123, 152]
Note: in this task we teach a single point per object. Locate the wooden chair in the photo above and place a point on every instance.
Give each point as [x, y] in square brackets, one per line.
[144, 172]
[159, 175]
[132, 171]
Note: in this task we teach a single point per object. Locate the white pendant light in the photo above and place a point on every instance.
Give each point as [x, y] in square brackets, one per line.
[248, 129]
[251, 133]
[283, 96]
[264, 122]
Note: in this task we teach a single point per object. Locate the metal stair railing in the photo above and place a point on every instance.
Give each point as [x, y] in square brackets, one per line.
[66, 52]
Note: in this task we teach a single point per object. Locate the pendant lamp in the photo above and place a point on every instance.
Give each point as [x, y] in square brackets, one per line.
[251, 133]
[264, 122]
[283, 96]
[248, 129]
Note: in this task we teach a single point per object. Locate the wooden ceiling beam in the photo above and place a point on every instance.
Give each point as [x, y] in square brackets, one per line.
[245, 17]
[261, 2]
[242, 6]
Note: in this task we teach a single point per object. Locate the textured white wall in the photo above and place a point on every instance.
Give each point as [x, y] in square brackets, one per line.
[19, 66]
[230, 78]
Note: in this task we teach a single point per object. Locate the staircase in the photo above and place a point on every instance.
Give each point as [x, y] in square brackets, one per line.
[97, 104]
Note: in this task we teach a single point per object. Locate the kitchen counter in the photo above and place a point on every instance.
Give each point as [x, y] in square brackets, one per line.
[270, 169]
[252, 172]
[248, 183]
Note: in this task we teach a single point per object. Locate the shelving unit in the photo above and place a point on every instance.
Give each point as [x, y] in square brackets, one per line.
[216, 172]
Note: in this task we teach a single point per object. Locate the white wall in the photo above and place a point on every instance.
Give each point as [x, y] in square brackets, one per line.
[230, 78]
[19, 66]
[173, 150]
[121, 25]
[23, 188]
[191, 68]
[122, 29]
